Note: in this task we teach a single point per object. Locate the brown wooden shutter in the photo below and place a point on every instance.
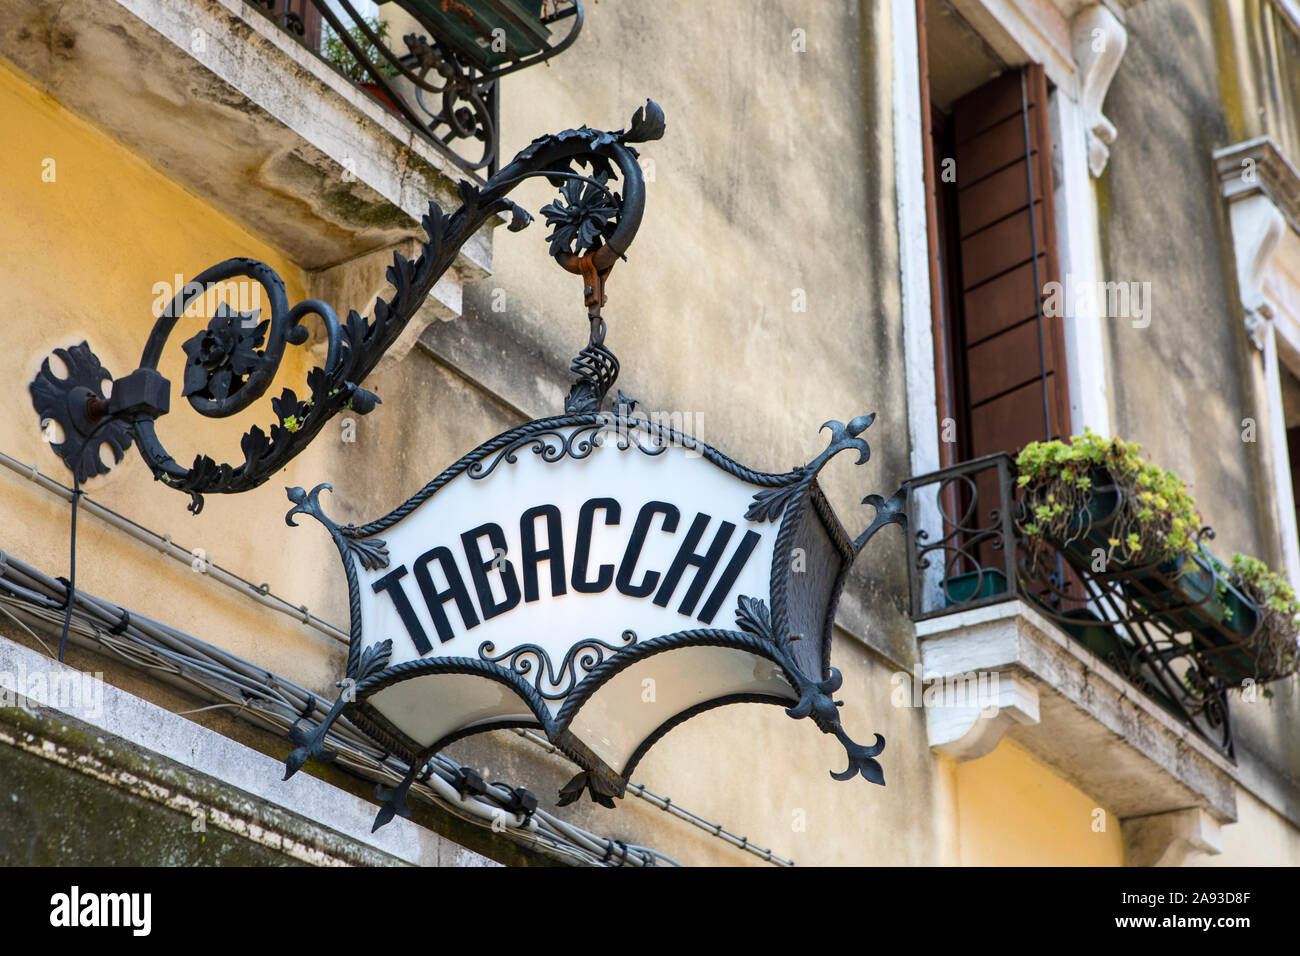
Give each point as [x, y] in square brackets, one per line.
[1012, 383]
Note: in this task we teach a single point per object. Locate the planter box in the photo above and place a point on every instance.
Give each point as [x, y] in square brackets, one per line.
[1182, 594]
[1100, 638]
[973, 585]
[1219, 624]
[470, 25]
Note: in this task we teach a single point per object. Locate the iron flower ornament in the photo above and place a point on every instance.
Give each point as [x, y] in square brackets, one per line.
[583, 217]
[222, 356]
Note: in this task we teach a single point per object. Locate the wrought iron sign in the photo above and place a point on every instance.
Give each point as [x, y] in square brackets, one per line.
[597, 576]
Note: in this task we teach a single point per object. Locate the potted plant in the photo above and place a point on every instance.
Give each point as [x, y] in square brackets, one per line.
[335, 51]
[1095, 498]
[1264, 625]
[1093, 494]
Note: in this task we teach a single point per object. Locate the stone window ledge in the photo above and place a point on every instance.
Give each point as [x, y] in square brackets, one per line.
[1170, 789]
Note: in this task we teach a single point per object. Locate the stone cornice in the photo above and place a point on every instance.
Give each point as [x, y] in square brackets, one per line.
[1258, 166]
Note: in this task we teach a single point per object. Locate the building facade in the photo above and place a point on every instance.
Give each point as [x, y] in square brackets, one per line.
[989, 223]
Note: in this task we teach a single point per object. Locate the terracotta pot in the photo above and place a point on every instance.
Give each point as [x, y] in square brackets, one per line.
[381, 94]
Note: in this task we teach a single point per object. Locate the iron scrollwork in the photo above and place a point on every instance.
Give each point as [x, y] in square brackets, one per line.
[551, 682]
[233, 360]
[1152, 623]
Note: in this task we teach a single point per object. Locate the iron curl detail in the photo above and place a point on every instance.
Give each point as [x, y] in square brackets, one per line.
[552, 682]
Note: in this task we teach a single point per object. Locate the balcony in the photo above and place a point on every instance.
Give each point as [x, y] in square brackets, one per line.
[235, 103]
[1116, 674]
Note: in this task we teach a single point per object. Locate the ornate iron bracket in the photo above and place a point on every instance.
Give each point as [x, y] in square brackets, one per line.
[232, 362]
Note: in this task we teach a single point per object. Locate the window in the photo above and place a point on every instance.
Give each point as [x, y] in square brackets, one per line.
[1000, 364]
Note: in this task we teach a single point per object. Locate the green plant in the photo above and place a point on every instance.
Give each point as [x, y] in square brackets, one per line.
[1155, 520]
[334, 50]
[1276, 649]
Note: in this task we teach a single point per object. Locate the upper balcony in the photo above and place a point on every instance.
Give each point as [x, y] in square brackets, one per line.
[434, 64]
[300, 118]
[1183, 632]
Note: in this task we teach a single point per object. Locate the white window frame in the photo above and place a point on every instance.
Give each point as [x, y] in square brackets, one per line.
[1262, 189]
[1080, 54]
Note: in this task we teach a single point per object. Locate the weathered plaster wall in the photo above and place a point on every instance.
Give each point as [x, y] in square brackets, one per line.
[1257, 48]
[1185, 385]
[773, 182]
[775, 176]
[1259, 838]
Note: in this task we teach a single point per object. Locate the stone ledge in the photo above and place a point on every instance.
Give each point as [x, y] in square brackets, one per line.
[1257, 166]
[1094, 727]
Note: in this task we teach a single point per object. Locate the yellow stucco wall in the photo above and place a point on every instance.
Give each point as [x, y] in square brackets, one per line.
[1012, 810]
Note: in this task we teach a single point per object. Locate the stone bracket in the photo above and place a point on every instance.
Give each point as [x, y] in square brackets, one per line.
[965, 732]
[1168, 839]
[1263, 193]
[1099, 40]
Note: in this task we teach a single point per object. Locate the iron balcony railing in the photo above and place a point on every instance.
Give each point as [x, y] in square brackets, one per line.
[443, 80]
[1183, 632]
